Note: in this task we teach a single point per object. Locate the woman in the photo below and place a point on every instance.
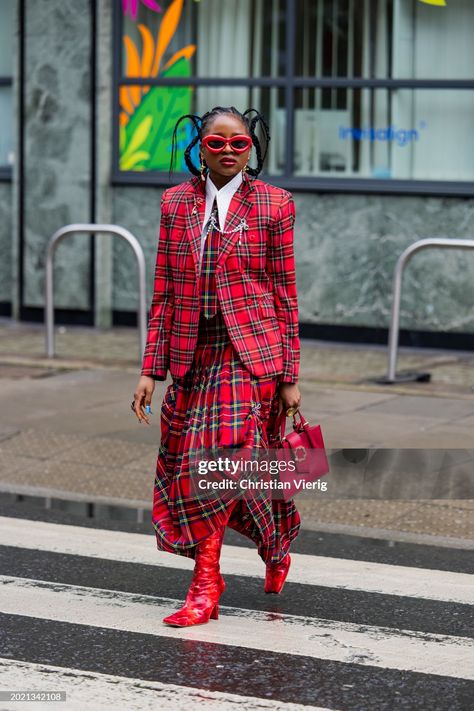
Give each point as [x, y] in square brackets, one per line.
[224, 321]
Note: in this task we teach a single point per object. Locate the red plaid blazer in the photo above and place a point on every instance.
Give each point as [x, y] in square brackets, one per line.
[255, 281]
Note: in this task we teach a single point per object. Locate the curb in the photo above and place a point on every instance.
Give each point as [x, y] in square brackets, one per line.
[58, 365]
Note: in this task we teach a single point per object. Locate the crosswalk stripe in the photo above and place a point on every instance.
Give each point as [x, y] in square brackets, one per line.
[122, 692]
[434, 616]
[430, 553]
[286, 634]
[226, 668]
[235, 560]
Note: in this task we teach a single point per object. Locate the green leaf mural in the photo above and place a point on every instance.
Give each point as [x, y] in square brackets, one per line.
[149, 113]
[130, 155]
[146, 139]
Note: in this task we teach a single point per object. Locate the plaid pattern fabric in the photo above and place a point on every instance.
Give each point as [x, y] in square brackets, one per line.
[218, 403]
[207, 282]
[255, 281]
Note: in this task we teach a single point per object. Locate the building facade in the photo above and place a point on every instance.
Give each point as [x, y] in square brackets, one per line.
[370, 105]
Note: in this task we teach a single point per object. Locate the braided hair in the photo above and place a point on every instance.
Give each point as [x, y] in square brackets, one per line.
[202, 122]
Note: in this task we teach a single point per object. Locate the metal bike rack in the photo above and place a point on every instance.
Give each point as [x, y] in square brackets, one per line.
[49, 288]
[403, 259]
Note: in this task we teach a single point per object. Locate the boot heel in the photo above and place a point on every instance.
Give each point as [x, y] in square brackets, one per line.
[215, 613]
[276, 575]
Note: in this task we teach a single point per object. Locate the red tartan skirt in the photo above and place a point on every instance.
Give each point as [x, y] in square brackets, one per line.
[218, 403]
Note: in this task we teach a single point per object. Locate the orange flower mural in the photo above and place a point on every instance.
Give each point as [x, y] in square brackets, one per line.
[148, 113]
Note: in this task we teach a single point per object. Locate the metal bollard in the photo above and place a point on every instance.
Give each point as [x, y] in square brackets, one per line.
[402, 261]
[49, 287]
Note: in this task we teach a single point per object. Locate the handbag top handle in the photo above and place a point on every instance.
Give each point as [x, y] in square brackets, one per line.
[280, 423]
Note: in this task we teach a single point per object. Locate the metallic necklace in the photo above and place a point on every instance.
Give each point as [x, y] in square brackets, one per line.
[213, 225]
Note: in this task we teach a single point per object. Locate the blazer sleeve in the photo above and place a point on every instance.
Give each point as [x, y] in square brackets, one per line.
[155, 361]
[281, 268]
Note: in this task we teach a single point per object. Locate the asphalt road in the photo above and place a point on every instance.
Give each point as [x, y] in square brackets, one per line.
[361, 624]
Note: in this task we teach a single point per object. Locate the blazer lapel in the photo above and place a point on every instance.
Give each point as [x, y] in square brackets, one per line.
[239, 209]
[195, 210]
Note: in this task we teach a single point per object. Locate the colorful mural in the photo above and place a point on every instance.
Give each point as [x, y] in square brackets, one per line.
[130, 7]
[148, 113]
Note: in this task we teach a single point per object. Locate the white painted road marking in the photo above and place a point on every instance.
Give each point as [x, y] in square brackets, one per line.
[111, 691]
[235, 560]
[350, 643]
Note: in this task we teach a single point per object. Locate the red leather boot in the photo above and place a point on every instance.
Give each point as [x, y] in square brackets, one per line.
[276, 575]
[206, 587]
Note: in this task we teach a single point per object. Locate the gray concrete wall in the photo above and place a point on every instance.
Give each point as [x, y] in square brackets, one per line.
[57, 146]
[137, 209]
[347, 247]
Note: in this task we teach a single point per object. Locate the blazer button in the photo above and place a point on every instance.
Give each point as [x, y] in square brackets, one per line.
[178, 300]
[251, 238]
[250, 301]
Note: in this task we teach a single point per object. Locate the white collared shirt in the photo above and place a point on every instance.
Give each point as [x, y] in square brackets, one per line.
[223, 197]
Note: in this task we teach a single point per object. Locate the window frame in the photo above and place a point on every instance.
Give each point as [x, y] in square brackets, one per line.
[289, 83]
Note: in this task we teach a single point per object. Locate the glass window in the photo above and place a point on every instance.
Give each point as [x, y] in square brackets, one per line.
[431, 42]
[212, 38]
[399, 39]
[378, 133]
[6, 120]
[146, 138]
[7, 14]
[326, 32]
[405, 133]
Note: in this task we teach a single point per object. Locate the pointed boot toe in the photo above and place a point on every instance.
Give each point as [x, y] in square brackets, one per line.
[189, 617]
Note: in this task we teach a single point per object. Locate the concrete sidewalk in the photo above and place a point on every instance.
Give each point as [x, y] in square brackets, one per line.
[67, 431]
[23, 344]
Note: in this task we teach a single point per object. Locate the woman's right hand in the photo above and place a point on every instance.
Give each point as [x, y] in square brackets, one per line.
[142, 397]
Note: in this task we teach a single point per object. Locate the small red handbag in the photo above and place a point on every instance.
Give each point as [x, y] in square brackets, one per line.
[305, 447]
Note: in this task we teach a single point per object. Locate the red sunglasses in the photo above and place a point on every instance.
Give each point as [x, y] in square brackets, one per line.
[216, 143]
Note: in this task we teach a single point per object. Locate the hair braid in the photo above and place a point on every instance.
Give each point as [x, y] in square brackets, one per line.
[187, 153]
[258, 149]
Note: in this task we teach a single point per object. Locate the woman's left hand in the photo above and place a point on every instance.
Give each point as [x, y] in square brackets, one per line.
[290, 395]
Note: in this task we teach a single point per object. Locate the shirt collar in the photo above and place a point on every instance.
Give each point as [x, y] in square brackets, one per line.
[231, 186]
